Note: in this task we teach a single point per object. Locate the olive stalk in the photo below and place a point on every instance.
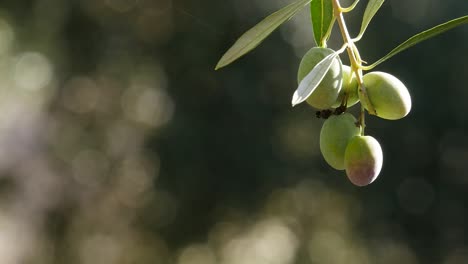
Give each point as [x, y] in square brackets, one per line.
[362, 120]
[350, 8]
[354, 58]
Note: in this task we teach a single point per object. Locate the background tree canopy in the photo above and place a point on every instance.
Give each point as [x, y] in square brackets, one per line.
[121, 144]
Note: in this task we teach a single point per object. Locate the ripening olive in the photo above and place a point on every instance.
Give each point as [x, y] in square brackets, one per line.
[350, 86]
[388, 95]
[363, 160]
[334, 137]
[326, 93]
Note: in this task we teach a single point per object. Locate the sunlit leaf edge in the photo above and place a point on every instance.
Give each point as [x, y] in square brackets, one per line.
[371, 9]
[254, 36]
[427, 34]
[313, 79]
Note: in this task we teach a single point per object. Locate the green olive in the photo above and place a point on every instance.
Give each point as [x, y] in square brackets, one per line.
[388, 95]
[334, 137]
[326, 93]
[363, 160]
[350, 86]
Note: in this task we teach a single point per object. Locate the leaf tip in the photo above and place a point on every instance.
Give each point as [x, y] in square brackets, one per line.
[219, 65]
[295, 100]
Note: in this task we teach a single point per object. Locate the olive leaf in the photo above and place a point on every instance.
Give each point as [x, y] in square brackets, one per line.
[421, 37]
[371, 9]
[313, 79]
[254, 36]
[321, 13]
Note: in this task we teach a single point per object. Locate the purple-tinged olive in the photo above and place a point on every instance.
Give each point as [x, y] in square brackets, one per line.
[363, 160]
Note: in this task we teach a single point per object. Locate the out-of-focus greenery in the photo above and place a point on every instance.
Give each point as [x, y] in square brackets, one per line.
[119, 143]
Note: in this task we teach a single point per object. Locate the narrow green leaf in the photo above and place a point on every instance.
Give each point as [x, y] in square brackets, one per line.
[313, 79]
[254, 36]
[421, 37]
[321, 13]
[371, 9]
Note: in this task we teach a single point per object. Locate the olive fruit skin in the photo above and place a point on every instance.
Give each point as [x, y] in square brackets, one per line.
[363, 160]
[326, 93]
[334, 137]
[388, 95]
[350, 85]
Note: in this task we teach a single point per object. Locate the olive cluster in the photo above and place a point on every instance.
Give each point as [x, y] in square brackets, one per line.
[342, 141]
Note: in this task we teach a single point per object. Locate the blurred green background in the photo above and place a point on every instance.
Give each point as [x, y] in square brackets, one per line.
[119, 143]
